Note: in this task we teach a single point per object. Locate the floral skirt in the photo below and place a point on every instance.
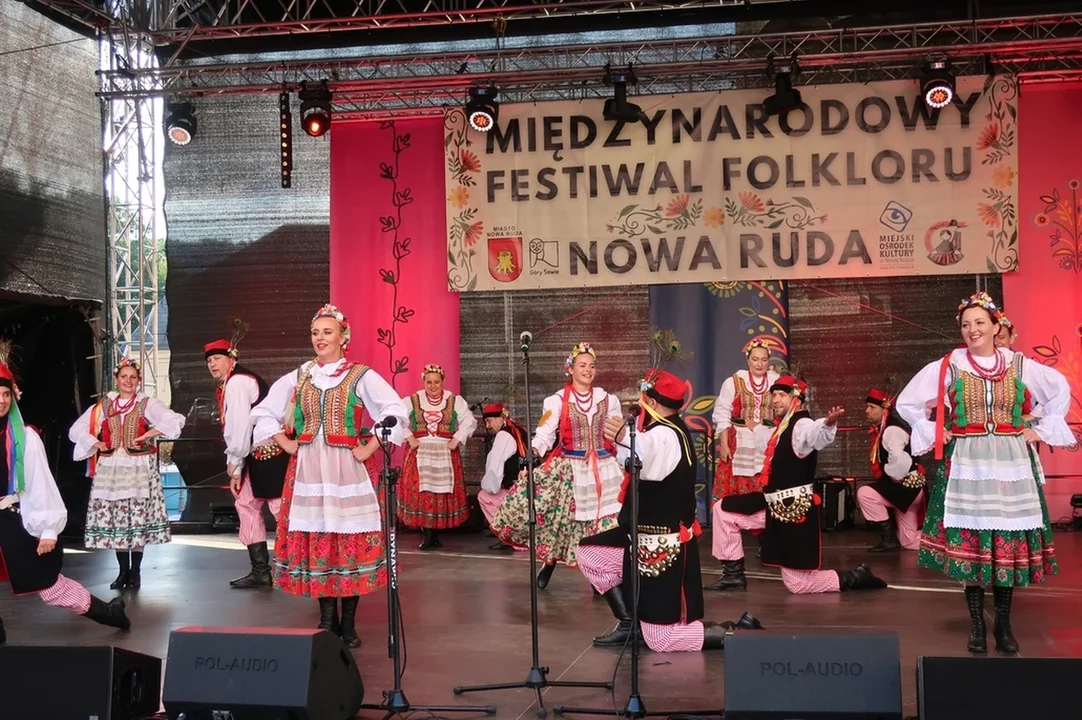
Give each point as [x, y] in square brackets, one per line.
[1002, 558]
[429, 510]
[324, 564]
[558, 532]
[129, 523]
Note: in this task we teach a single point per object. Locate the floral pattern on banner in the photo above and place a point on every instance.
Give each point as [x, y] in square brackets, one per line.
[796, 213]
[1063, 213]
[463, 229]
[997, 142]
[1070, 364]
[400, 249]
[680, 214]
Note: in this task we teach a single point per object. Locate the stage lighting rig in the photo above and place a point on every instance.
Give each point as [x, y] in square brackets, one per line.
[937, 83]
[482, 110]
[315, 109]
[285, 127]
[785, 98]
[617, 108]
[180, 122]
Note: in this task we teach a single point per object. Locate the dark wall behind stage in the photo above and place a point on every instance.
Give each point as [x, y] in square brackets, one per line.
[52, 227]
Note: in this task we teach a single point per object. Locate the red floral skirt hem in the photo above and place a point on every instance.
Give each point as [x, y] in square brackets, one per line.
[429, 510]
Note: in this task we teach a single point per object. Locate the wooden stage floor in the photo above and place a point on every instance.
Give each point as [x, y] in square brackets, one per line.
[467, 613]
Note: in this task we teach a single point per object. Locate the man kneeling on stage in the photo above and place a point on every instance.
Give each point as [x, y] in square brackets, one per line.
[667, 558]
[32, 514]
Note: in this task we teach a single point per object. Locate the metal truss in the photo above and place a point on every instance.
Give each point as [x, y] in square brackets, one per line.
[131, 141]
[366, 86]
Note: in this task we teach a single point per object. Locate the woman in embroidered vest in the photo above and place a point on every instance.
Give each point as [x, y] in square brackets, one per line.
[329, 543]
[432, 494]
[127, 504]
[987, 522]
[578, 486]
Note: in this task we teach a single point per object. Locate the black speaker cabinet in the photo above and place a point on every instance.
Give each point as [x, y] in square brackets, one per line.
[260, 674]
[995, 688]
[771, 676]
[78, 683]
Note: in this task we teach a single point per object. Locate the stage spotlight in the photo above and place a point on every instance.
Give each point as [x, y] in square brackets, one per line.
[937, 83]
[785, 98]
[482, 110]
[315, 109]
[180, 122]
[617, 108]
[285, 127]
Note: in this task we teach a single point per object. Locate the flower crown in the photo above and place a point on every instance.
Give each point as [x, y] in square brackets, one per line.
[982, 300]
[126, 363]
[756, 343]
[583, 348]
[332, 311]
[432, 368]
[1002, 319]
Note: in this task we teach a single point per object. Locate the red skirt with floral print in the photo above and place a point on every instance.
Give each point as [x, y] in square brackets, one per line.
[324, 564]
[433, 511]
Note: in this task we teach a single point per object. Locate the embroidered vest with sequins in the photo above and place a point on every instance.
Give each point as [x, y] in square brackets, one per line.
[448, 418]
[578, 434]
[744, 402]
[986, 407]
[121, 430]
[337, 410]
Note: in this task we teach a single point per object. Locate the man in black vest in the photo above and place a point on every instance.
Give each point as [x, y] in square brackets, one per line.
[502, 466]
[792, 540]
[671, 586]
[239, 390]
[899, 480]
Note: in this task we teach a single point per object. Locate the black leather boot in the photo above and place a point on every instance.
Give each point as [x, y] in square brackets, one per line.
[260, 576]
[328, 615]
[748, 621]
[3, 632]
[1001, 631]
[123, 558]
[135, 580]
[349, 628]
[732, 576]
[978, 639]
[544, 576]
[618, 605]
[429, 539]
[108, 613]
[888, 535]
[713, 635]
[860, 578]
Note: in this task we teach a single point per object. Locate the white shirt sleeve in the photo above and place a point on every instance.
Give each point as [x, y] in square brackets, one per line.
[267, 417]
[1052, 392]
[43, 513]
[914, 404]
[503, 447]
[723, 406]
[467, 421]
[82, 436]
[544, 436]
[658, 449]
[381, 401]
[241, 392]
[809, 435]
[161, 418]
[898, 460]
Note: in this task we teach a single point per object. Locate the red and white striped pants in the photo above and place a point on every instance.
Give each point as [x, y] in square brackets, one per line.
[874, 508]
[250, 512]
[67, 594]
[490, 503]
[604, 568]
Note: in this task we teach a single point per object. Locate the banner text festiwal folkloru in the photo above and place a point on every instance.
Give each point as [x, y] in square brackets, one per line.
[860, 180]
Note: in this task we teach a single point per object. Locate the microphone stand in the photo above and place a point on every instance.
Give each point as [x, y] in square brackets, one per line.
[394, 700]
[537, 677]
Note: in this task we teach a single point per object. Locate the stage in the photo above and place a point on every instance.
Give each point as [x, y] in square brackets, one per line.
[467, 614]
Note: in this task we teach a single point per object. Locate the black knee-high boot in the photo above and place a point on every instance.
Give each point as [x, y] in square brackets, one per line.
[978, 640]
[328, 615]
[1005, 641]
[135, 580]
[123, 558]
[349, 628]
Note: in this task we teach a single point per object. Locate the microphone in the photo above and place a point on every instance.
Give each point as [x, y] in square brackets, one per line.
[633, 413]
[525, 338]
[387, 423]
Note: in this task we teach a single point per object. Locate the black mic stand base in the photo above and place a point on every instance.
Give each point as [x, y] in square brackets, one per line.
[396, 704]
[536, 680]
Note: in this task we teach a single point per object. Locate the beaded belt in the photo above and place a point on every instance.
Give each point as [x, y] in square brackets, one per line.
[10, 503]
[266, 451]
[799, 500]
[915, 479]
[658, 549]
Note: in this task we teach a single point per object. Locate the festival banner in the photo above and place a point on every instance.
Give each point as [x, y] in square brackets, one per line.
[860, 180]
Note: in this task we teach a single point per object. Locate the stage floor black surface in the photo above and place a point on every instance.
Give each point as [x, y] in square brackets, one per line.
[467, 614]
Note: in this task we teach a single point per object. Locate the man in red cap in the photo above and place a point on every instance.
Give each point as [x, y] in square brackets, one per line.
[503, 463]
[32, 515]
[899, 480]
[671, 588]
[792, 538]
[255, 476]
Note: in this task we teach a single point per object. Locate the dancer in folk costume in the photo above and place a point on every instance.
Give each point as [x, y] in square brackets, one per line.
[329, 543]
[505, 460]
[32, 516]
[894, 503]
[1007, 334]
[127, 503]
[670, 600]
[255, 478]
[987, 521]
[578, 486]
[432, 493]
[743, 404]
[792, 538]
